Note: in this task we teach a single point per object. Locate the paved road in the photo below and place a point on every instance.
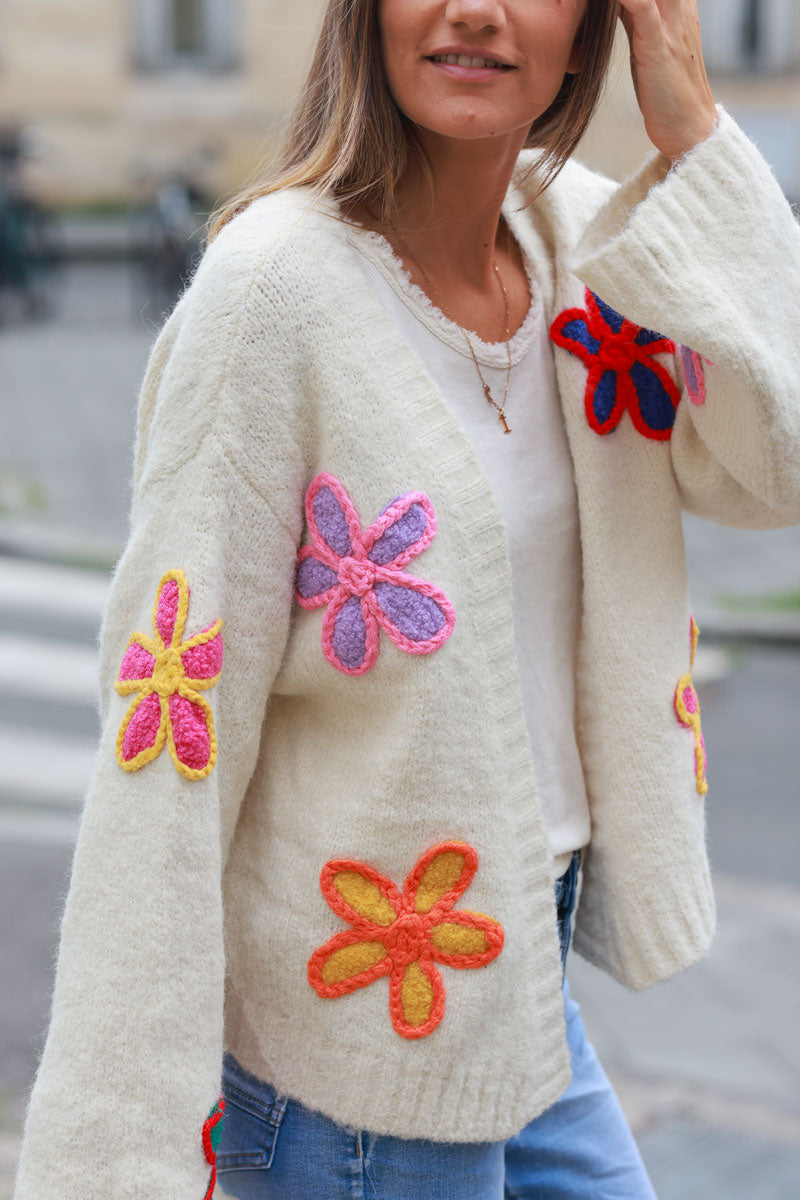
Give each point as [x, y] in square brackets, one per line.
[707, 1064]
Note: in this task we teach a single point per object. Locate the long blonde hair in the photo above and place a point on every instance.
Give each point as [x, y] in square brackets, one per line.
[347, 137]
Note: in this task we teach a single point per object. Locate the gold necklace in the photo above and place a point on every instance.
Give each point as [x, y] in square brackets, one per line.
[501, 408]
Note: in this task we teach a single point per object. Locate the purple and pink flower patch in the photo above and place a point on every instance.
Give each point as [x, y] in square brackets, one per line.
[360, 576]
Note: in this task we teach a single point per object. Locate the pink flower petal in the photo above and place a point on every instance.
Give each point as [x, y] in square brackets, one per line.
[694, 375]
[189, 733]
[137, 663]
[167, 610]
[142, 728]
[204, 660]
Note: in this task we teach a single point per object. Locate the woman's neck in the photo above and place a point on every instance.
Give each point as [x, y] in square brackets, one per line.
[457, 231]
[457, 235]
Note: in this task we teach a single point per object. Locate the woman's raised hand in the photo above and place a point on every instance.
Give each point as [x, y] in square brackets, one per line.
[669, 74]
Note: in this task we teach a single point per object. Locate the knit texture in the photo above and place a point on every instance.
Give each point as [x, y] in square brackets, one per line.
[195, 903]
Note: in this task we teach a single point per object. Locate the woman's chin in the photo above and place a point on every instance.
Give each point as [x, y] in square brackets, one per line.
[471, 126]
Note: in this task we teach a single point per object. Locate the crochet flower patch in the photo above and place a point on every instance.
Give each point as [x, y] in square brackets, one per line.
[359, 575]
[623, 373]
[168, 675]
[403, 934]
[212, 1132]
[687, 709]
[694, 375]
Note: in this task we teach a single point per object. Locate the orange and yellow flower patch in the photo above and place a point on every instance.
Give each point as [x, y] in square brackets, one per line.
[404, 934]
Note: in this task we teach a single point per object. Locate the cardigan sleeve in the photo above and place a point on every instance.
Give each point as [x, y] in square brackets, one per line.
[191, 640]
[707, 252]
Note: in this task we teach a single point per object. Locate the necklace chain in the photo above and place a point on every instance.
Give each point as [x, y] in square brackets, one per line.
[501, 408]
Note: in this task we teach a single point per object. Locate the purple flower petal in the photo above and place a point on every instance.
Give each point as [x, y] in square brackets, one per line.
[417, 617]
[314, 578]
[349, 639]
[401, 534]
[331, 522]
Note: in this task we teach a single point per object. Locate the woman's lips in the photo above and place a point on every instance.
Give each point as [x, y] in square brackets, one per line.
[468, 68]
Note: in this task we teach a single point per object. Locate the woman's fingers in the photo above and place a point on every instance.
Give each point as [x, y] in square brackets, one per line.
[643, 17]
[668, 72]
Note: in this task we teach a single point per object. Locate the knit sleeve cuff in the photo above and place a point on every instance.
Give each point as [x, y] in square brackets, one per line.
[674, 245]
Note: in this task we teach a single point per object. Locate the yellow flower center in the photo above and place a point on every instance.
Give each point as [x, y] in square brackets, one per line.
[168, 673]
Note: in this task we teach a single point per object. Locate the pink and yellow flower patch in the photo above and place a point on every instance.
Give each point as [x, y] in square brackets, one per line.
[168, 675]
[687, 709]
[404, 934]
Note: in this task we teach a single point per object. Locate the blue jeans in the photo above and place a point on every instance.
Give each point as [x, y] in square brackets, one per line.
[581, 1148]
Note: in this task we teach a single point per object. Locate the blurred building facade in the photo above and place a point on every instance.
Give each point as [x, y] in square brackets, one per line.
[113, 92]
[752, 51]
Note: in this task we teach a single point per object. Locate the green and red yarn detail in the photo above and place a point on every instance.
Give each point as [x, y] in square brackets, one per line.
[212, 1132]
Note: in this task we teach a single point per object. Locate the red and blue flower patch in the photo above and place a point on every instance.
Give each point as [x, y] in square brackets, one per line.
[623, 373]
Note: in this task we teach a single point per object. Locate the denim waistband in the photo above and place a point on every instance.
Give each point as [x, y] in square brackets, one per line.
[566, 884]
[566, 893]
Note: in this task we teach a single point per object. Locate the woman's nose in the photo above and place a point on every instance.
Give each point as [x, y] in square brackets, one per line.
[476, 14]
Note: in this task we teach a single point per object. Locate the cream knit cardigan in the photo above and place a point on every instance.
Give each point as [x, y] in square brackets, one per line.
[195, 904]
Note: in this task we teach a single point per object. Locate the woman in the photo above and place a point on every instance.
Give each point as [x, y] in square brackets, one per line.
[416, 388]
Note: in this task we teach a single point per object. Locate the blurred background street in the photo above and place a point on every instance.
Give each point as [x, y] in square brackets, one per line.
[114, 167]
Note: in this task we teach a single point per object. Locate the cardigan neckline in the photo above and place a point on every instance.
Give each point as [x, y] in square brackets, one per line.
[379, 251]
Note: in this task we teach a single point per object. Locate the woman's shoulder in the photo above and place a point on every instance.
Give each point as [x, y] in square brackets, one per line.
[275, 232]
[264, 264]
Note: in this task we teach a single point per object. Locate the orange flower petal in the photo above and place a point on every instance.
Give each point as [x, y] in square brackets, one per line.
[466, 939]
[347, 962]
[416, 998]
[359, 894]
[443, 873]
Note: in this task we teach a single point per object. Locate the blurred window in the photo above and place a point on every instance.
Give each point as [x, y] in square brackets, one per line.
[751, 35]
[172, 34]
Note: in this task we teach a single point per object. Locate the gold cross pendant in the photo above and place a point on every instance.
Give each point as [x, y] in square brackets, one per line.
[502, 417]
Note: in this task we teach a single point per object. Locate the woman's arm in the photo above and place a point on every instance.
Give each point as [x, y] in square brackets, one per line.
[132, 1063]
[707, 252]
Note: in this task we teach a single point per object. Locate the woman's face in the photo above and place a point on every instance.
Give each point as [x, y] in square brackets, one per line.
[528, 44]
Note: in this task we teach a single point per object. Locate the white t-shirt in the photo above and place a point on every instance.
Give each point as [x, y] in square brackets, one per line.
[530, 472]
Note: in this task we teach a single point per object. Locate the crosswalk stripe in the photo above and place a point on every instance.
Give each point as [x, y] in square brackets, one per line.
[42, 767]
[40, 828]
[54, 670]
[68, 591]
[44, 775]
